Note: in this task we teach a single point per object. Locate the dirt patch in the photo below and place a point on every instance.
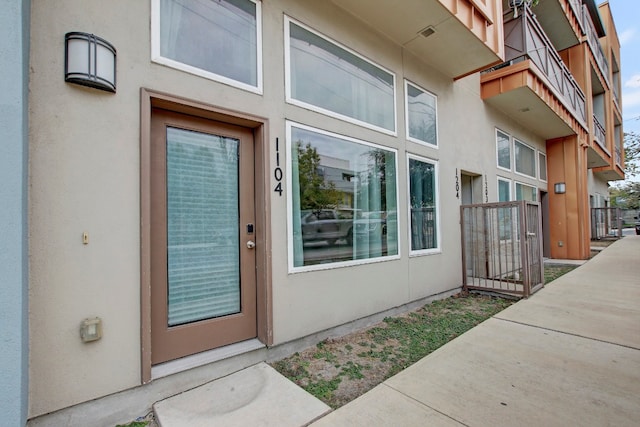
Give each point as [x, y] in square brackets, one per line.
[341, 369]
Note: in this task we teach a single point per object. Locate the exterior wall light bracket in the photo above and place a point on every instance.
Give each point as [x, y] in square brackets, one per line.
[90, 61]
[560, 188]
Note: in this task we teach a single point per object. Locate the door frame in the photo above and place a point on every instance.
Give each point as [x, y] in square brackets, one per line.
[150, 98]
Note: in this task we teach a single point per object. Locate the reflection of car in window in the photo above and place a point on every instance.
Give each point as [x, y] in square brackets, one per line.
[371, 224]
[327, 225]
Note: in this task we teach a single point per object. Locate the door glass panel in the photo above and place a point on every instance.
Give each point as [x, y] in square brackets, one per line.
[202, 226]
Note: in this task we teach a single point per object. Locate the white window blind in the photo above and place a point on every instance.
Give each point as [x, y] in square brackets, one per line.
[202, 226]
[336, 80]
[218, 37]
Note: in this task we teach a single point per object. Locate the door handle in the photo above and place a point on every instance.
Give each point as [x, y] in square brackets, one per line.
[251, 244]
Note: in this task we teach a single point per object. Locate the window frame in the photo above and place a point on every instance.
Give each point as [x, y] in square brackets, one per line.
[508, 181]
[515, 159]
[292, 269]
[511, 151]
[157, 57]
[438, 248]
[540, 163]
[515, 192]
[293, 101]
[408, 136]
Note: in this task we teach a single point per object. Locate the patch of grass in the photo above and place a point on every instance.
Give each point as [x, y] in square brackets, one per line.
[134, 424]
[425, 330]
[323, 389]
[324, 354]
[293, 368]
[352, 370]
[338, 370]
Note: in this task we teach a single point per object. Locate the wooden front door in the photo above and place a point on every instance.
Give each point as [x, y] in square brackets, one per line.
[203, 266]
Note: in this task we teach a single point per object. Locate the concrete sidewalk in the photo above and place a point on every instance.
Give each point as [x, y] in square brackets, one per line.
[569, 355]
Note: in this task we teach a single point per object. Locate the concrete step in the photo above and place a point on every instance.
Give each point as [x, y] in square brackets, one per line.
[255, 396]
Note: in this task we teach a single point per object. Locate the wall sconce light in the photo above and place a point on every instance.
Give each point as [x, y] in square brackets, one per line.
[90, 61]
[560, 188]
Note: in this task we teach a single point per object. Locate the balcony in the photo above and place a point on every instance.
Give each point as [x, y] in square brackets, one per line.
[534, 86]
[457, 37]
[562, 21]
[594, 44]
[599, 134]
[611, 172]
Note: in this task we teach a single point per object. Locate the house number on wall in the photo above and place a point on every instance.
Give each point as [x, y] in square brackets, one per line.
[277, 172]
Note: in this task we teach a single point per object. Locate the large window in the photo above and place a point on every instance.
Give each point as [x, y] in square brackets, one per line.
[503, 147]
[421, 115]
[334, 80]
[218, 39]
[343, 200]
[525, 159]
[526, 192]
[423, 204]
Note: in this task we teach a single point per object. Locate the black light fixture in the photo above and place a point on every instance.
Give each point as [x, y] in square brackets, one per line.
[560, 188]
[89, 61]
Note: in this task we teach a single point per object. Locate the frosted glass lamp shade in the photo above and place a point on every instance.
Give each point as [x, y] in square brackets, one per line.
[90, 61]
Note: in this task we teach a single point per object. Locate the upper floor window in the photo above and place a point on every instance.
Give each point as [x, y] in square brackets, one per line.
[421, 115]
[219, 40]
[525, 157]
[503, 147]
[332, 79]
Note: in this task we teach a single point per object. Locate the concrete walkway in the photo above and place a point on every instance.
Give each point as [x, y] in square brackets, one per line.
[569, 355]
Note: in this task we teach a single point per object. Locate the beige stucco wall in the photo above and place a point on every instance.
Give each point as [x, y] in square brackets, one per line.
[599, 189]
[84, 177]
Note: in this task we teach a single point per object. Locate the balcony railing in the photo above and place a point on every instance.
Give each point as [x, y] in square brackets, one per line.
[594, 44]
[525, 39]
[598, 132]
[576, 6]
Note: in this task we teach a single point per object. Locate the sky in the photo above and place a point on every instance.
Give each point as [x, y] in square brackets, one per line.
[626, 15]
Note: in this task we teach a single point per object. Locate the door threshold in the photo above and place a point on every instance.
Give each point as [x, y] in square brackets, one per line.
[210, 356]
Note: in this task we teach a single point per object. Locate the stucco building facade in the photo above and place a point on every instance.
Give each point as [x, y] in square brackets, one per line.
[268, 171]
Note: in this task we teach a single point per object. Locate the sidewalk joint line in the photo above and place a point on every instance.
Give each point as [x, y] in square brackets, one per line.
[566, 333]
[424, 404]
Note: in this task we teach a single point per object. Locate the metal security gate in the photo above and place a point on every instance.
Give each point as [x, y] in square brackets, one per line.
[606, 223]
[502, 247]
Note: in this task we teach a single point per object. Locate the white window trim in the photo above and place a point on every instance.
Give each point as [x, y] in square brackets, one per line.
[515, 190]
[408, 83]
[540, 153]
[535, 160]
[287, 71]
[511, 188]
[438, 248]
[330, 266]
[159, 59]
[511, 151]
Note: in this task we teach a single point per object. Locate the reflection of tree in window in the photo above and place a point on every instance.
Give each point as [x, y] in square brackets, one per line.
[423, 215]
[422, 115]
[315, 192]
